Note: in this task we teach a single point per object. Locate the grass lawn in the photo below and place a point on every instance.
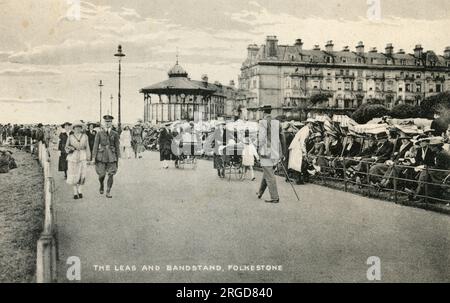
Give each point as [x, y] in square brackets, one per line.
[21, 218]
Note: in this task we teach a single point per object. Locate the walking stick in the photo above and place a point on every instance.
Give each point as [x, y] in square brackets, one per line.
[290, 182]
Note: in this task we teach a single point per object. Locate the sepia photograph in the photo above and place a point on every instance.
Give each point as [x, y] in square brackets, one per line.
[225, 141]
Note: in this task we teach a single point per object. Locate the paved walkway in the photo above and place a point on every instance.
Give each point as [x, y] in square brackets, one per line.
[191, 217]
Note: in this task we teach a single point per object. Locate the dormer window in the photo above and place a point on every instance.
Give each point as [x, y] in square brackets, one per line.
[329, 60]
[344, 60]
[403, 62]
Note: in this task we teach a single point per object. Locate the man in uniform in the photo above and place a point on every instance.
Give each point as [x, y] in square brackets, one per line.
[270, 153]
[106, 154]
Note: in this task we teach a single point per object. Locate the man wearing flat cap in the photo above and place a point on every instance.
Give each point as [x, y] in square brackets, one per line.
[106, 154]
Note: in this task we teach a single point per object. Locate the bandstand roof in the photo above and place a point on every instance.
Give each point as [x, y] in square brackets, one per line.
[179, 83]
[176, 85]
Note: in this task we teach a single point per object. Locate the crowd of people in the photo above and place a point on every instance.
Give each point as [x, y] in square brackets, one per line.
[416, 163]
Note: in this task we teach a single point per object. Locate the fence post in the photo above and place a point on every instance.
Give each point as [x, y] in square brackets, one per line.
[426, 183]
[394, 173]
[44, 258]
[345, 174]
[25, 143]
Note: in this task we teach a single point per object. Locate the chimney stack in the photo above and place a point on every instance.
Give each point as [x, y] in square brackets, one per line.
[389, 49]
[231, 83]
[418, 51]
[373, 50]
[299, 43]
[401, 51]
[360, 48]
[271, 46]
[316, 47]
[447, 52]
[329, 46]
[346, 49]
[205, 80]
[252, 51]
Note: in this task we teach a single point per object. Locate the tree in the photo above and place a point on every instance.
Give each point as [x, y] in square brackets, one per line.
[404, 111]
[319, 98]
[368, 111]
[439, 103]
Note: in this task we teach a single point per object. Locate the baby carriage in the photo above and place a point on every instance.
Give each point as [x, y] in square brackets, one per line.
[187, 151]
[232, 161]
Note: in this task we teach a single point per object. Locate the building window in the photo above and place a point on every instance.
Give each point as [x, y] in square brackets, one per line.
[418, 75]
[347, 85]
[403, 62]
[329, 60]
[438, 88]
[344, 60]
[347, 72]
[408, 87]
[341, 72]
[359, 60]
[418, 87]
[360, 73]
[339, 84]
[360, 86]
[400, 89]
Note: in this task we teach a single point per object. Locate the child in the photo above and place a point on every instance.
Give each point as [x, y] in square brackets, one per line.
[248, 157]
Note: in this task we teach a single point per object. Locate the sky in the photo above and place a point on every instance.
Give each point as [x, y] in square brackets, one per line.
[54, 52]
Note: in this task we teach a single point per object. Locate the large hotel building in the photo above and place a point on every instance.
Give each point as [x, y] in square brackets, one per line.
[295, 80]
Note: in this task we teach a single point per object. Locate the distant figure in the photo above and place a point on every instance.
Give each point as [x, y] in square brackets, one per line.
[137, 140]
[270, 152]
[165, 142]
[249, 154]
[91, 132]
[125, 143]
[106, 154]
[63, 136]
[78, 155]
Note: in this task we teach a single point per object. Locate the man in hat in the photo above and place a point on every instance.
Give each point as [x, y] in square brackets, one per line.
[270, 153]
[436, 172]
[386, 169]
[106, 154]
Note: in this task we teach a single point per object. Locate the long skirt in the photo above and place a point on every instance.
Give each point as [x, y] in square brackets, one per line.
[62, 162]
[165, 153]
[76, 172]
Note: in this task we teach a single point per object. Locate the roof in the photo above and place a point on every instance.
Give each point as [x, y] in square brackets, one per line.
[177, 84]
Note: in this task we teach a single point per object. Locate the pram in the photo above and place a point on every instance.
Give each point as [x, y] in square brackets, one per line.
[232, 161]
[187, 151]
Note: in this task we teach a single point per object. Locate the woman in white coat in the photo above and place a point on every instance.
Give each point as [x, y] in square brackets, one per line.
[78, 154]
[297, 150]
[249, 154]
[125, 143]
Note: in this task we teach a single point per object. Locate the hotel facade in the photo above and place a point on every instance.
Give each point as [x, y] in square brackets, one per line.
[296, 81]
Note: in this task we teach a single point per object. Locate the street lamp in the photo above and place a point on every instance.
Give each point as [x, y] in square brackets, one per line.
[111, 107]
[119, 55]
[100, 85]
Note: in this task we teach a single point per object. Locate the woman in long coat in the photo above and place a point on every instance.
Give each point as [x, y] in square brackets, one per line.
[78, 154]
[137, 140]
[297, 151]
[165, 147]
[62, 161]
[125, 143]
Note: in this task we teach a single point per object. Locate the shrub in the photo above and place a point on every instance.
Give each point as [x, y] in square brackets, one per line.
[404, 111]
[368, 111]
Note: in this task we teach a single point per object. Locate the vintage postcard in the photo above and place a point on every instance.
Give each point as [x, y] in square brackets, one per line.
[196, 141]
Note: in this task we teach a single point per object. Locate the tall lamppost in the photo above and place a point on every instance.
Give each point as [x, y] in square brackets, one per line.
[100, 85]
[119, 55]
[110, 106]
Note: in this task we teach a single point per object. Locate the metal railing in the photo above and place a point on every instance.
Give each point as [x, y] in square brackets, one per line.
[47, 245]
[396, 183]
